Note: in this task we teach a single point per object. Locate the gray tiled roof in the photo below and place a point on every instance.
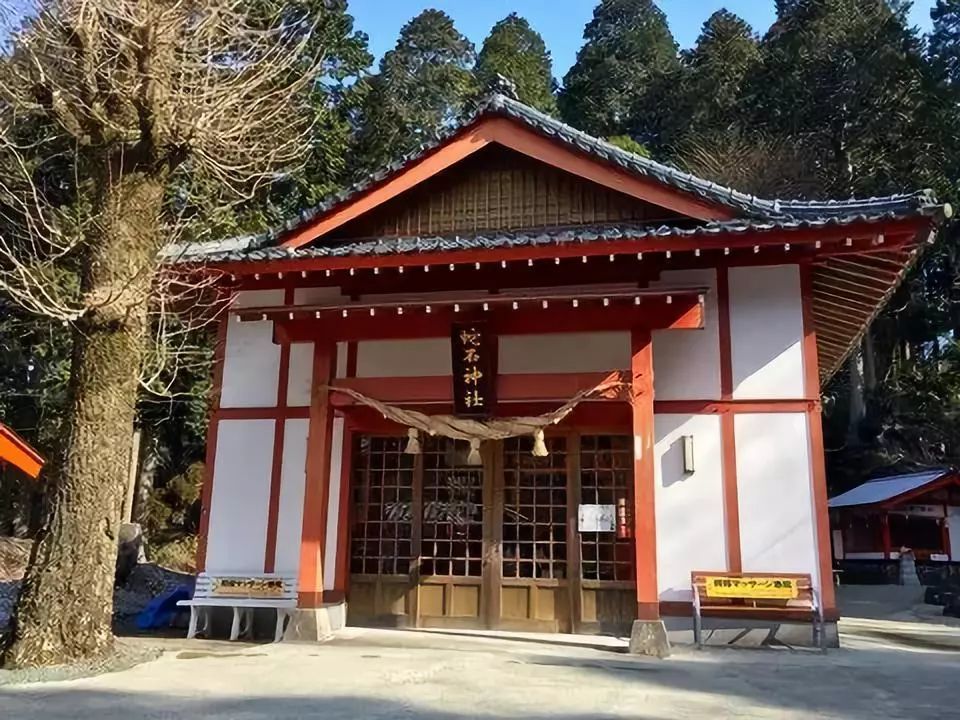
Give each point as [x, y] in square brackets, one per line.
[756, 214]
[250, 249]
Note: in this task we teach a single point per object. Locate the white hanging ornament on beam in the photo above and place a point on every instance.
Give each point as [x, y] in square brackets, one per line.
[539, 446]
[413, 442]
[474, 457]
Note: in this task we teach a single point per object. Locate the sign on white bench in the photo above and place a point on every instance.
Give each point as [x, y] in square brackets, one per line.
[243, 593]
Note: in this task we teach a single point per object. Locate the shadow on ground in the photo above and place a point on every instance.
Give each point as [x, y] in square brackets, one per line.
[410, 675]
[70, 704]
[852, 685]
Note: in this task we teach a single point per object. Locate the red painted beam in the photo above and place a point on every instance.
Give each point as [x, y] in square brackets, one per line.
[511, 388]
[685, 312]
[863, 235]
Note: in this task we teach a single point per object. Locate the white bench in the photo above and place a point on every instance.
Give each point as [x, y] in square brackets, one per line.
[243, 593]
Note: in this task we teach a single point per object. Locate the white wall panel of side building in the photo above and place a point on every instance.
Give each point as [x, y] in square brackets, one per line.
[953, 527]
[766, 332]
[237, 532]
[564, 352]
[403, 358]
[300, 375]
[251, 361]
[293, 478]
[775, 493]
[691, 533]
[686, 363]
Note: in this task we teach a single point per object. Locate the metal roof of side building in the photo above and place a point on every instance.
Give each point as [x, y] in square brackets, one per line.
[882, 489]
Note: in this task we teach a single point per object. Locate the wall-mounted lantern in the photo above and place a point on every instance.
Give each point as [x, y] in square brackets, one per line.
[688, 467]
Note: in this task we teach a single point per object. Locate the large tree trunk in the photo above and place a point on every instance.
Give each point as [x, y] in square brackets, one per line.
[857, 409]
[869, 363]
[78, 542]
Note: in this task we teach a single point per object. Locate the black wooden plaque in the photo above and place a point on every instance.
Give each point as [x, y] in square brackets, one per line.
[474, 385]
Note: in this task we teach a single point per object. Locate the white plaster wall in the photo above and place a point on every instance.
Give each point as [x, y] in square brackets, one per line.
[293, 477]
[686, 363]
[775, 494]
[300, 375]
[314, 295]
[237, 531]
[251, 361]
[953, 527]
[564, 352]
[257, 298]
[691, 531]
[251, 366]
[333, 506]
[403, 358]
[766, 332]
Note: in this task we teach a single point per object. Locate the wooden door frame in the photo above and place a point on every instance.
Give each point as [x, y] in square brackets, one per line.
[416, 540]
[491, 578]
[492, 534]
[574, 576]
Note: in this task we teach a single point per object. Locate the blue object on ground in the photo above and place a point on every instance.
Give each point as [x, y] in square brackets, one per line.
[160, 611]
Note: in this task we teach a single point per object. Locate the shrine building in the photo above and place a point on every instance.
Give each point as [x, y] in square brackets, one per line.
[524, 379]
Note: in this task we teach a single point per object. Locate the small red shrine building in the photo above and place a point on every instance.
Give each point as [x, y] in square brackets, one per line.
[720, 313]
[919, 511]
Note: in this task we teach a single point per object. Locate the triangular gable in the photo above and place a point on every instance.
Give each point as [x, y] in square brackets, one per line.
[496, 191]
[515, 135]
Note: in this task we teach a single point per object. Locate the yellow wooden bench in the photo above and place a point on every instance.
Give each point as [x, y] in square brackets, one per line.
[767, 596]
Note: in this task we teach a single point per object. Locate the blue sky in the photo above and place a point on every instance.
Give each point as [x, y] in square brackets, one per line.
[559, 21]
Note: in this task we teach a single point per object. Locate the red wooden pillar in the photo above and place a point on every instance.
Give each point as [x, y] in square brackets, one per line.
[319, 439]
[728, 439]
[818, 469]
[885, 534]
[276, 471]
[206, 494]
[644, 513]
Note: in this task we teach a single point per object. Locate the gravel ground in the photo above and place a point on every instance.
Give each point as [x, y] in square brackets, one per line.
[393, 674]
[127, 654]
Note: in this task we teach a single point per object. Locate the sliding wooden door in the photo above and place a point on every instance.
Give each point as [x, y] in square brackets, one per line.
[532, 509]
[450, 571]
[437, 542]
[382, 551]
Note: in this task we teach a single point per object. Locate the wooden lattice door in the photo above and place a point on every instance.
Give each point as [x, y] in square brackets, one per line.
[437, 542]
[451, 537]
[607, 595]
[531, 505]
[382, 548]
[417, 540]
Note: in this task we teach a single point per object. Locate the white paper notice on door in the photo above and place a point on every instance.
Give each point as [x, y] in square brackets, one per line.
[597, 518]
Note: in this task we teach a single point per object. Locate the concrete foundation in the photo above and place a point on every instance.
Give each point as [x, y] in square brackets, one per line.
[649, 637]
[315, 624]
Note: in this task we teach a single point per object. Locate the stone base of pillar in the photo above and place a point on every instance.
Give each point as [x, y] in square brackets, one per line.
[649, 637]
[316, 624]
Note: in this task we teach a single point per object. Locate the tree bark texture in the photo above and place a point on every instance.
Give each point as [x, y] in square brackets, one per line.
[55, 622]
[857, 408]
